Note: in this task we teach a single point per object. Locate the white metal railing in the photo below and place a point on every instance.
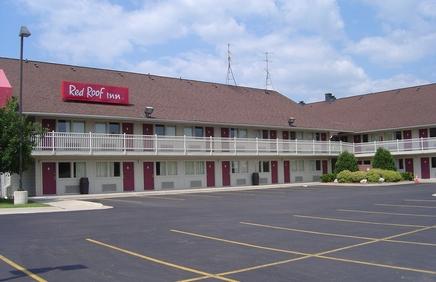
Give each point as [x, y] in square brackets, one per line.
[90, 143]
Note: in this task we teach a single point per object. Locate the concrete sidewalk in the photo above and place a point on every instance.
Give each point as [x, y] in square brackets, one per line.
[57, 206]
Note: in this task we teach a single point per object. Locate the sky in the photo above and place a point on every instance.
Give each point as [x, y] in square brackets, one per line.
[345, 47]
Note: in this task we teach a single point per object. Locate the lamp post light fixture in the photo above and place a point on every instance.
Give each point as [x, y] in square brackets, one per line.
[24, 32]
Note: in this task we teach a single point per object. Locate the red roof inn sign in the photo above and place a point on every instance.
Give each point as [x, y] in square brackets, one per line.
[94, 93]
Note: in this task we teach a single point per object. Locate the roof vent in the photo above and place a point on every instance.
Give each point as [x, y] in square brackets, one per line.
[73, 69]
[36, 65]
[301, 103]
[329, 97]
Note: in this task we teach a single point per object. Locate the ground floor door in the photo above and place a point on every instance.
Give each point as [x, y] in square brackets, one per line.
[409, 166]
[225, 165]
[148, 175]
[210, 173]
[128, 176]
[274, 172]
[49, 178]
[425, 168]
[325, 168]
[286, 172]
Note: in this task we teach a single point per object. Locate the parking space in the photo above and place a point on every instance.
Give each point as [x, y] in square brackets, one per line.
[286, 234]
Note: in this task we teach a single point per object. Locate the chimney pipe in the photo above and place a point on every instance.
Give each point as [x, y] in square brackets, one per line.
[329, 97]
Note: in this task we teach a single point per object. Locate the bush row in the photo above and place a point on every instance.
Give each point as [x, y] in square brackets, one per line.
[373, 176]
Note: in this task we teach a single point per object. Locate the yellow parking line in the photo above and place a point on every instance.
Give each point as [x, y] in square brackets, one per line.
[405, 206]
[164, 198]
[418, 200]
[359, 221]
[22, 269]
[388, 213]
[158, 261]
[321, 255]
[307, 231]
[238, 243]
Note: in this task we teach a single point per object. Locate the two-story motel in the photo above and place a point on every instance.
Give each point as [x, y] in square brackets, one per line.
[134, 132]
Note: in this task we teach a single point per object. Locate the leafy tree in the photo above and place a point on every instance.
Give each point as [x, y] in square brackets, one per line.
[383, 159]
[11, 124]
[346, 161]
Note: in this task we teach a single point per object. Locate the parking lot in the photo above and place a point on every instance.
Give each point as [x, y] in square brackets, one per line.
[316, 233]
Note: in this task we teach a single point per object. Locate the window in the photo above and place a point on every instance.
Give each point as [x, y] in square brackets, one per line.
[160, 130]
[433, 162]
[63, 126]
[398, 135]
[401, 163]
[166, 168]
[100, 127]
[108, 169]
[366, 162]
[264, 166]
[432, 132]
[78, 127]
[238, 133]
[316, 136]
[170, 130]
[235, 166]
[79, 169]
[114, 128]
[239, 166]
[194, 168]
[365, 138]
[312, 165]
[292, 135]
[187, 131]
[64, 170]
[300, 165]
[242, 133]
[300, 135]
[294, 165]
[199, 132]
[317, 165]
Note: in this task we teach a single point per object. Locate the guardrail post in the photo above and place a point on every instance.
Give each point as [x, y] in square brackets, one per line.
[330, 147]
[277, 146]
[90, 142]
[422, 144]
[211, 147]
[155, 144]
[257, 146]
[53, 142]
[124, 143]
[296, 146]
[375, 146]
[184, 144]
[398, 145]
[234, 144]
[340, 148]
[313, 146]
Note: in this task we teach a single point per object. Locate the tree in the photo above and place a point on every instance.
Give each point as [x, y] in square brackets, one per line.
[11, 124]
[346, 161]
[383, 159]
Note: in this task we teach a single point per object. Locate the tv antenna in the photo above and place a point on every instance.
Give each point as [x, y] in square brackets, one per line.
[230, 76]
[268, 80]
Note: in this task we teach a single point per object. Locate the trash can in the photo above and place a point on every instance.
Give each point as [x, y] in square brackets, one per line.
[84, 185]
[255, 178]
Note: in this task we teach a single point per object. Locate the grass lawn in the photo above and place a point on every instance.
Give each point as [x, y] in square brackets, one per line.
[9, 203]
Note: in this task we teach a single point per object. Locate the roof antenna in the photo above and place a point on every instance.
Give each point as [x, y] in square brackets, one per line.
[230, 76]
[268, 81]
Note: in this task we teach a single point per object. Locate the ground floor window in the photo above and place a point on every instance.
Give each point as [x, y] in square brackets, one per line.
[297, 165]
[264, 166]
[166, 168]
[108, 169]
[64, 169]
[239, 166]
[194, 167]
[79, 169]
[433, 162]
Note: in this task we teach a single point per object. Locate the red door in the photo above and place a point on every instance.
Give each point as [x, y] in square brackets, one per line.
[323, 136]
[128, 176]
[148, 175]
[409, 166]
[210, 173]
[49, 125]
[286, 171]
[147, 129]
[226, 172]
[407, 134]
[48, 178]
[274, 172]
[423, 133]
[128, 130]
[285, 135]
[273, 134]
[225, 133]
[325, 168]
[425, 168]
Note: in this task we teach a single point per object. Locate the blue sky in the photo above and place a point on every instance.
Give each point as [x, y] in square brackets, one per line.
[346, 47]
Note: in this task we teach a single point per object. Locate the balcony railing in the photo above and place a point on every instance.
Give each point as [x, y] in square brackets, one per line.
[118, 144]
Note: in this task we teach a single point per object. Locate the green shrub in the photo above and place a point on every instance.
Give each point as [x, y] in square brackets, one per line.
[391, 176]
[407, 176]
[373, 175]
[383, 160]
[357, 176]
[329, 177]
[346, 161]
[344, 176]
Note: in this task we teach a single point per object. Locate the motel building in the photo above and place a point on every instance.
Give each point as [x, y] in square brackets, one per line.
[129, 131]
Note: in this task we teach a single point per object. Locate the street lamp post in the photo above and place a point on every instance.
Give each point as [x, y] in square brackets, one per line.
[24, 32]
